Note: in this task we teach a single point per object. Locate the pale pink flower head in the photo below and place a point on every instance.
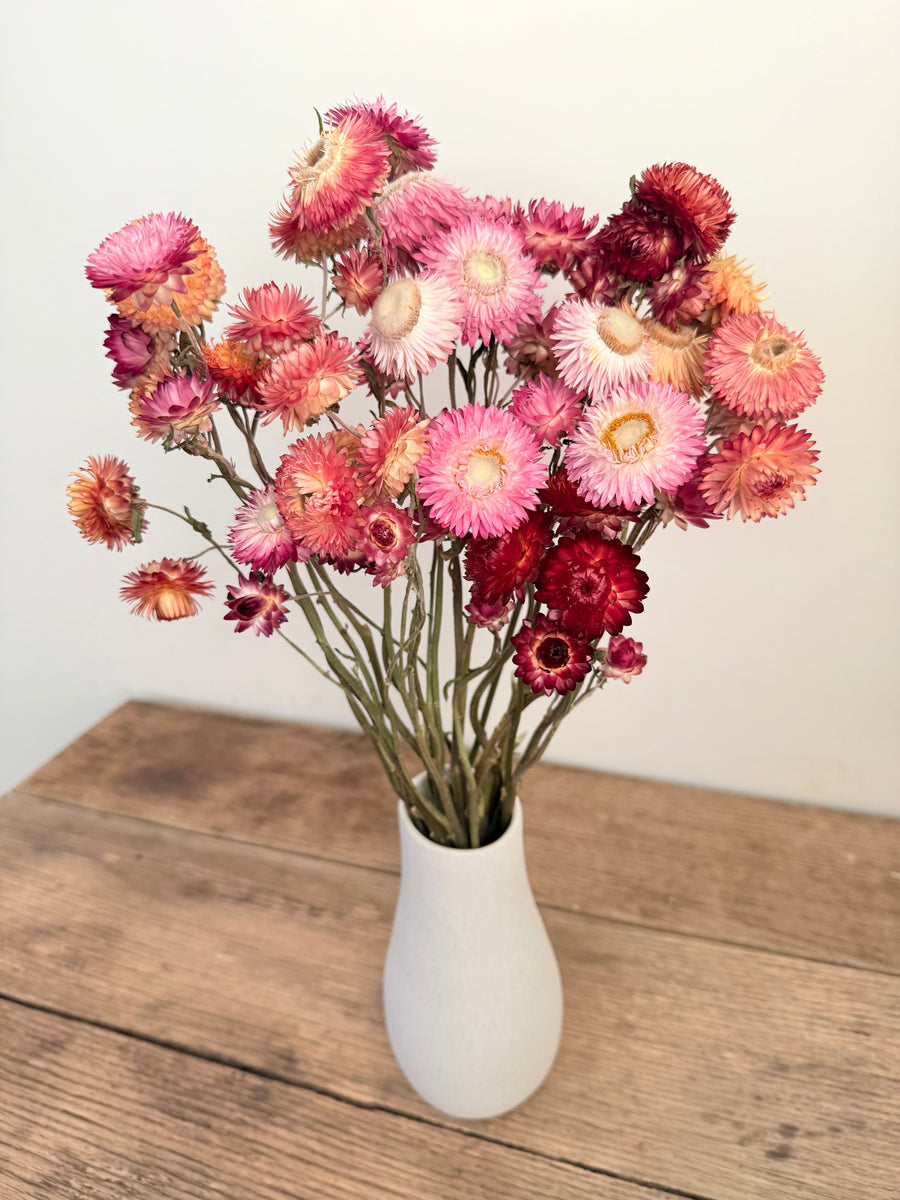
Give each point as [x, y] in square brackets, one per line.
[146, 260]
[389, 451]
[385, 538]
[556, 237]
[358, 278]
[259, 537]
[624, 658]
[318, 495]
[302, 383]
[272, 319]
[166, 589]
[638, 439]
[549, 407]
[180, 406]
[409, 142]
[759, 368]
[414, 325]
[550, 658]
[760, 473]
[598, 348]
[257, 605]
[486, 265]
[481, 472]
[412, 209]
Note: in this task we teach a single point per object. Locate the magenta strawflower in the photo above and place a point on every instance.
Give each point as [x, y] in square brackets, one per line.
[555, 236]
[180, 406]
[412, 209]
[549, 658]
[409, 142]
[135, 353]
[259, 537]
[386, 535]
[358, 278]
[624, 658]
[257, 605]
[598, 348]
[638, 439]
[548, 406]
[146, 260]
[481, 472]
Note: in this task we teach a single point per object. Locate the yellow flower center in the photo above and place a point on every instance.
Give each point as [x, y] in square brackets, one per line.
[773, 353]
[620, 330]
[397, 309]
[484, 272]
[629, 437]
[481, 472]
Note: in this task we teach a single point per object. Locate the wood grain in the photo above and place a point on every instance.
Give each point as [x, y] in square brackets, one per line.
[86, 1114]
[711, 1069]
[789, 877]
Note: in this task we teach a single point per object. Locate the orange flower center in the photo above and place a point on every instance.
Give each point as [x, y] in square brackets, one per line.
[629, 437]
[484, 272]
[397, 309]
[481, 472]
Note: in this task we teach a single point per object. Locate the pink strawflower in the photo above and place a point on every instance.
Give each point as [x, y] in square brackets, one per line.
[638, 439]
[759, 368]
[385, 538]
[410, 144]
[481, 472]
[595, 279]
[624, 658]
[389, 451]
[292, 236]
[598, 349]
[680, 296]
[414, 325]
[257, 605]
[105, 504]
[358, 278]
[760, 473]
[594, 584]
[486, 265]
[181, 405]
[493, 208]
[687, 505]
[302, 383]
[203, 288]
[272, 319]
[135, 353]
[555, 236]
[166, 589]
[146, 260]
[549, 407]
[549, 658]
[318, 495]
[259, 537]
[412, 209]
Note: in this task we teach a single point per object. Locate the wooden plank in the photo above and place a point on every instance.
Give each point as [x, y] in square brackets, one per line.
[86, 1114]
[717, 1070]
[790, 877]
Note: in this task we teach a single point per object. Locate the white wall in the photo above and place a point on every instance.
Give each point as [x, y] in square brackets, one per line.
[773, 648]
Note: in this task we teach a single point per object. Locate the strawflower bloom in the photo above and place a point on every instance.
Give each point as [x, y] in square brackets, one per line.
[259, 537]
[303, 382]
[135, 353]
[257, 605]
[488, 614]
[318, 495]
[732, 286]
[593, 584]
[389, 451]
[639, 438]
[272, 319]
[181, 406]
[166, 589]
[358, 278]
[386, 534]
[486, 265]
[235, 369]
[548, 406]
[481, 472]
[104, 503]
[292, 237]
[681, 295]
[555, 236]
[500, 567]
[203, 289]
[759, 368]
[695, 203]
[412, 209]
[598, 348]
[639, 243]
[687, 505]
[761, 473]
[336, 178]
[549, 658]
[624, 658]
[595, 279]
[529, 353]
[678, 357]
[573, 513]
[410, 143]
[414, 325]
[146, 260]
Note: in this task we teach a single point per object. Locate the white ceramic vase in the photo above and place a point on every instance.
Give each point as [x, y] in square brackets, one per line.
[472, 991]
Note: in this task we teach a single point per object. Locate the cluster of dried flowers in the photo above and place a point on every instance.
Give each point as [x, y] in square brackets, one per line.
[654, 390]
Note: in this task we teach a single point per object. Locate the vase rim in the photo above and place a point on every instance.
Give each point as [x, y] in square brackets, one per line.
[498, 845]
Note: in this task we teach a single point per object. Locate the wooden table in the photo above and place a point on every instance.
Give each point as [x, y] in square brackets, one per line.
[194, 910]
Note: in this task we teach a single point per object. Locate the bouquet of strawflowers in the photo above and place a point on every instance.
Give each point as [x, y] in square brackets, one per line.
[535, 394]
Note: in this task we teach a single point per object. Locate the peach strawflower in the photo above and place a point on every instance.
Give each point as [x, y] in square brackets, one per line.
[146, 260]
[235, 368]
[104, 503]
[598, 348]
[181, 406]
[548, 406]
[695, 203]
[318, 495]
[410, 144]
[292, 238]
[259, 537]
[358, 278]
[555, 236]
[678, 358]
[759, 368]
[732, 287]
[412, 209]
[485, 264]
[302, 383]
[389, 450]
[639, 438]
[549, 658]
[624, 658]
[336, 178]
[760, 473]
[481, 472]
[256, 604]
[272, 319]
[414, 325]
[166, 589]
[203, 289]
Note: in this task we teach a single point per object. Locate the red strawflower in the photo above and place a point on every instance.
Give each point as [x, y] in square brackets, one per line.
[639, 243]
[549, 658]
[573, 512]
[593, 583]
[594, 278]
[500, 567]
[696, 204]
[680, 295]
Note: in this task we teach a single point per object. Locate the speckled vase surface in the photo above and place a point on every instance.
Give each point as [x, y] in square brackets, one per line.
[472, 991]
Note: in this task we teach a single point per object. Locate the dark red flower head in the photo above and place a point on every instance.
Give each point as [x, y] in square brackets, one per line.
[696, 204]
[594, 584]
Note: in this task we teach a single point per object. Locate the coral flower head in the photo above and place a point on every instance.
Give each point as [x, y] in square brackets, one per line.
[271, 319]
[166, 589]
[389, 450]
[318, 496]
[104, 503]
[598, 348]
[336, 178]
[481, 472]
[414, 325]
[410, 143]
[761, 473]
[146, 260]
[758, 368]
[302, 383]
[732, 286]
